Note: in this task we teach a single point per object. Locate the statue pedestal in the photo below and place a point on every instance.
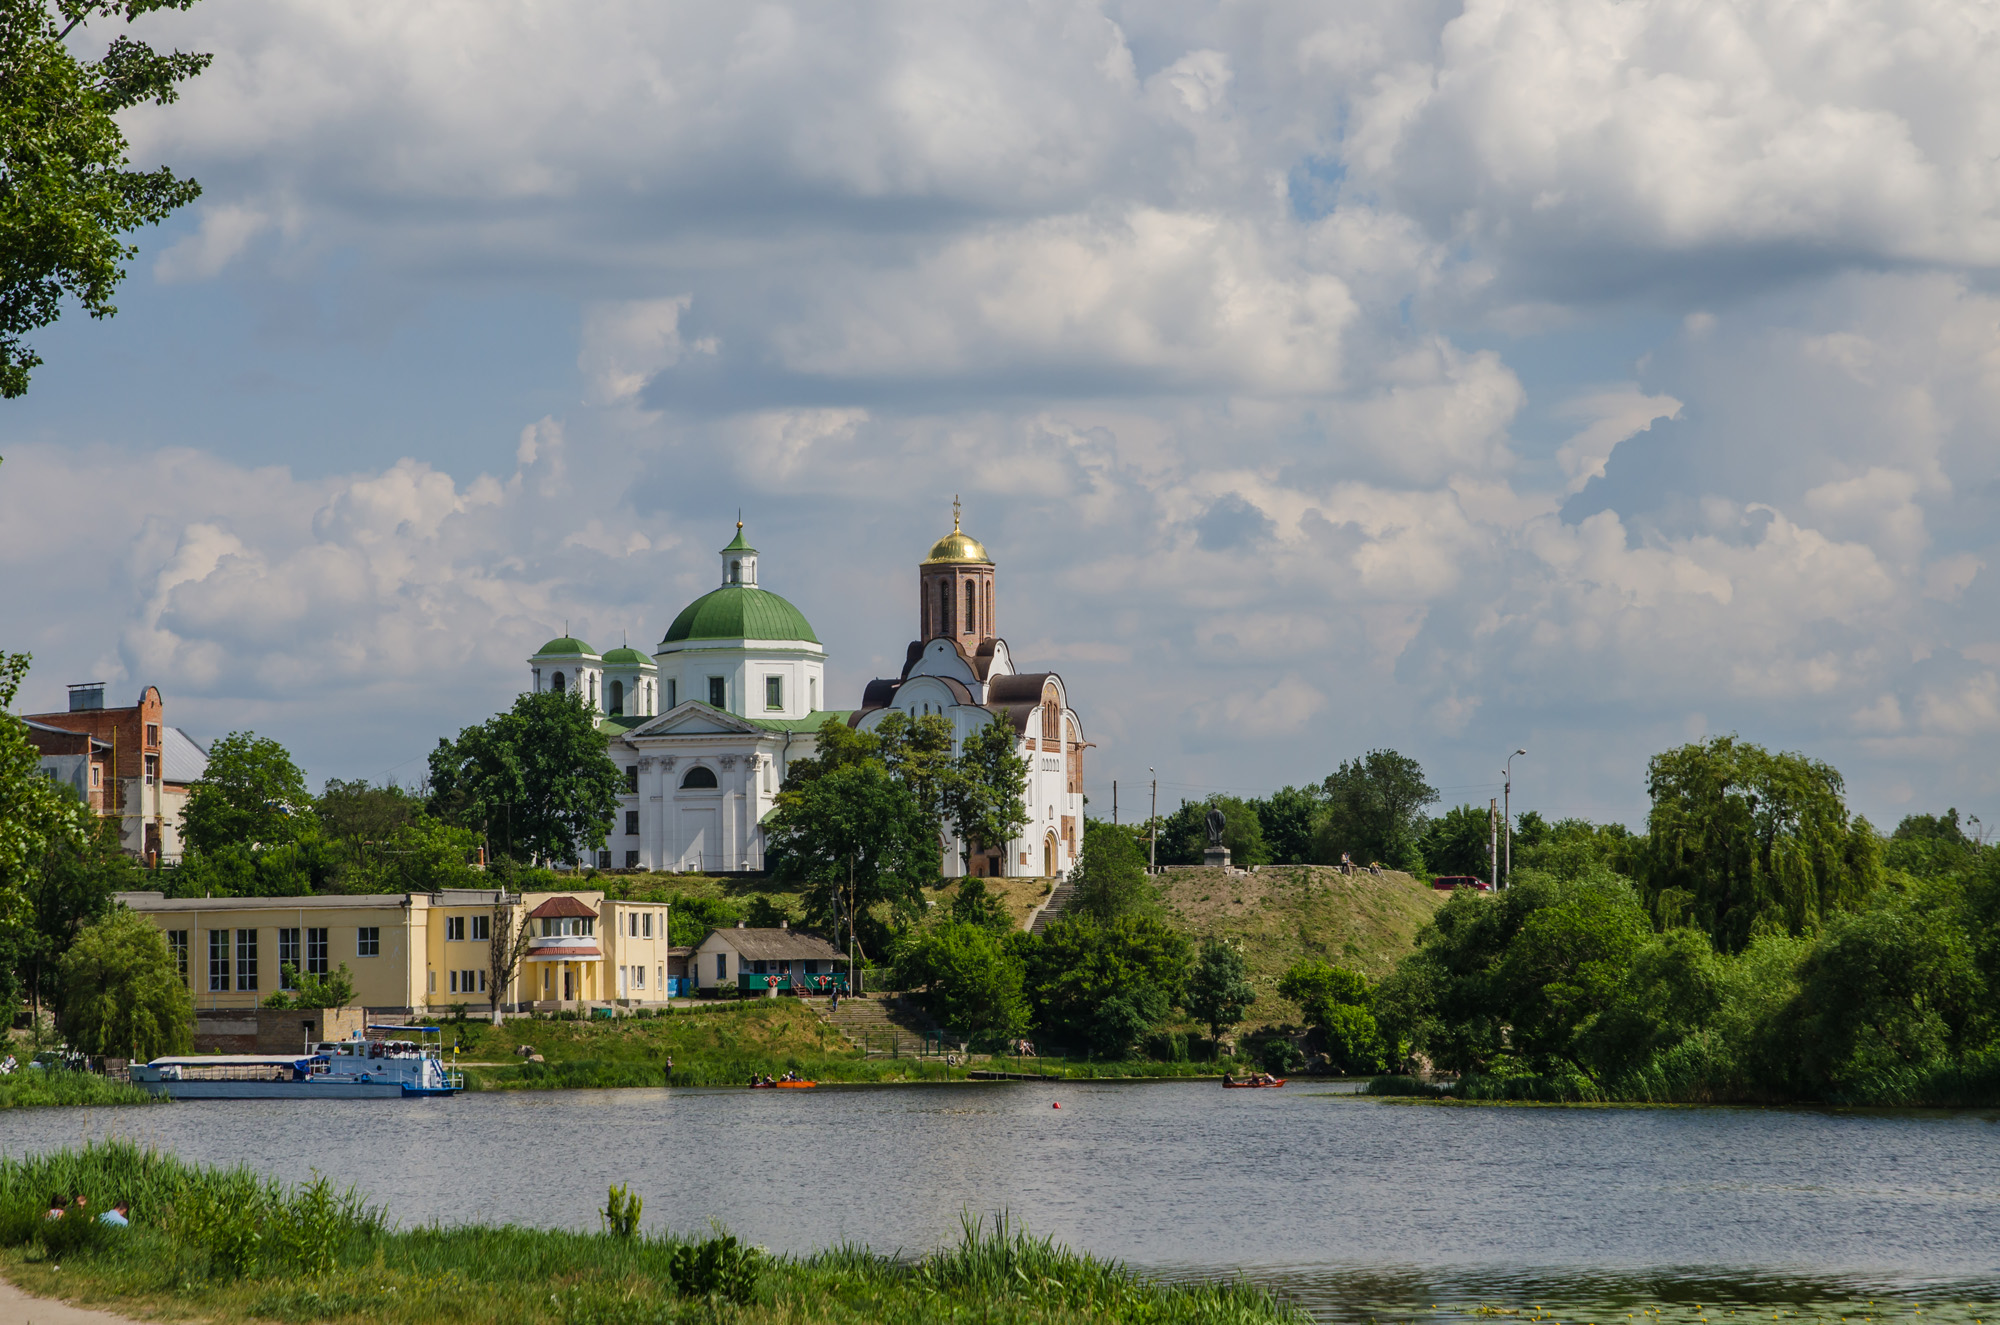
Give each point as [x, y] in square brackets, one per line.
[1216, 856]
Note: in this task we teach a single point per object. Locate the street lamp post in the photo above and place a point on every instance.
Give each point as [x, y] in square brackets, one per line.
[1507, 812]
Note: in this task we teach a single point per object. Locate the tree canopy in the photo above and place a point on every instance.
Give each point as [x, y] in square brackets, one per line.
[534, 781]
[1374, 810]
[1218, 988]
[71, 196]
[251, 795]
[1743, 841]
[123, 991]
[1110, 879]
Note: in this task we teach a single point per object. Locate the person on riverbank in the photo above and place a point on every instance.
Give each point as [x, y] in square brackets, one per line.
[118, 1216]
[56, 1208]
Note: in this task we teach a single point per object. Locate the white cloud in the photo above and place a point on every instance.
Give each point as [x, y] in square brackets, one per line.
[1609, 417]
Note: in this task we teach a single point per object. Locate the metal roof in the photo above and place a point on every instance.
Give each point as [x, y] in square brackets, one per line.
[182, 758]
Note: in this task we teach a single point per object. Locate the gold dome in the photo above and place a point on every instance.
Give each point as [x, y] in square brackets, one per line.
[956, 546]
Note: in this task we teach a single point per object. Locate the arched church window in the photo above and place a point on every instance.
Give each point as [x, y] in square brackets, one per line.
[735, 572]
[971, 601]
[618, 697]
[556, 683]
[698, 778]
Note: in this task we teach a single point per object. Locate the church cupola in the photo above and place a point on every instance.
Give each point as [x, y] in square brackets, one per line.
[739, 561]
[955, 586]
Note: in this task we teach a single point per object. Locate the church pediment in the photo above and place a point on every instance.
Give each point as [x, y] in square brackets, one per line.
[696, 719]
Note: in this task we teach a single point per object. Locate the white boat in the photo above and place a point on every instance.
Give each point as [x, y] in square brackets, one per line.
[370, 1066]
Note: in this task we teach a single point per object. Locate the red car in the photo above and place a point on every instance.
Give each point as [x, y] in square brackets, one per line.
[1447, 882]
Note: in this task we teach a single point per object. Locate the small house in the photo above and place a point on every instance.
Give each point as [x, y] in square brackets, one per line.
[767, 961]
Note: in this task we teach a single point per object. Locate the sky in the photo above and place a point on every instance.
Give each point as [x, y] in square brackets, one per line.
[1574, 376]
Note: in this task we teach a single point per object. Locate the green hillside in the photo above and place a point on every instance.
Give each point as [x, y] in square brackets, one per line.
[1281, 913]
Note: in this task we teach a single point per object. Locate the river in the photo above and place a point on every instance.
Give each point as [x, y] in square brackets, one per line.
[1348, 1205]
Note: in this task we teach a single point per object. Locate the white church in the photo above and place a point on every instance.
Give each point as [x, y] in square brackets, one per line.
[706, 728]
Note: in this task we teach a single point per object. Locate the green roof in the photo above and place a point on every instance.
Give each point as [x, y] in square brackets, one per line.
[812, 722]
[614, 724]
[737, 544]
[738, 611]
[626, 655]
[566, 644]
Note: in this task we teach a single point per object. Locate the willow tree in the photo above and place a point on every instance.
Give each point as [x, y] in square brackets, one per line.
[1743, 842]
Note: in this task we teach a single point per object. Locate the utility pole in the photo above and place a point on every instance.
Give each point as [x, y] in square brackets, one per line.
[1153, 832]
[1493, 844]
[1507, 814]
[853, 983]
[1114, 802]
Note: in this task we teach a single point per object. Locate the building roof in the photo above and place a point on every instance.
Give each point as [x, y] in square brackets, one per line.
[53, 730]
[182, 758]
[146, 900]
[562, 906]
[740, 611]
[957, 546]
[1020, 688]
[738, 543]
[627, 656]
[764, 945]
[811, 722]
[565, 645]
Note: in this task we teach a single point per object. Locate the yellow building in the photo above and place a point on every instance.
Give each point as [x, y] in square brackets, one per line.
[418, 952]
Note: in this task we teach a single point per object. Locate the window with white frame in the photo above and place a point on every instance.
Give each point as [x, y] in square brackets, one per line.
[288, 958]
[246, 960]
[454, 929]
[368, 941]
[315, 951]
[218, 960]
[482, 929]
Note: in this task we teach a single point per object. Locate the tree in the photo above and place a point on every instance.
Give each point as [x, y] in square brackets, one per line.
[1930, 846]
[423, 855]
[251, 795]
[1564, 966]
[983, 799]
[1290, 819]
[1184, 833]
[1336, 1002]
[313, 991]
[1110, 880]
[854, 828]
[975, 905]
[37, 816]
[72, 887]
[1374, 810]
[536, 780]
[69, 198]
[507, 945]
[123, 992]
[1459, 841]
[969, 981]
[1101, 986]
[355, 814]
[1743, 841]
[1218, 988]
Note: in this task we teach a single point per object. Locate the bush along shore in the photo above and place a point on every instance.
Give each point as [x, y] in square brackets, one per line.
[228, 1245]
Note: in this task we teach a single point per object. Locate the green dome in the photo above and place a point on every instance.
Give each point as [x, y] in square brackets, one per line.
[567, 644]
[738, 611]
[628, 657]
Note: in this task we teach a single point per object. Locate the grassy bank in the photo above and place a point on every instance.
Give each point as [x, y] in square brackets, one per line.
[725, 1044]
[37, 1089]
[1365, 922]
[229, 1246]
[1974, 1084]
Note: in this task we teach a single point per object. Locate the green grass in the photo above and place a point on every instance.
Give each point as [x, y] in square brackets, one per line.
[40, 1089]
[1364, 922]
[368, 1271]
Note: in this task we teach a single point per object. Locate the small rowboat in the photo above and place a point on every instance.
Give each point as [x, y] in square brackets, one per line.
[1254, 1085]
[783, 1085]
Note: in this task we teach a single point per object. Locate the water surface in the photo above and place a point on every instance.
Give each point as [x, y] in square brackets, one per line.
[1353, 1206]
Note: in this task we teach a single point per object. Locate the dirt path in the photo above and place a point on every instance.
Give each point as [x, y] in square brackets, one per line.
[18, 1308]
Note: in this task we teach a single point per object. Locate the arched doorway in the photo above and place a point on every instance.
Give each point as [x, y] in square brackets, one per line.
[1049, 856]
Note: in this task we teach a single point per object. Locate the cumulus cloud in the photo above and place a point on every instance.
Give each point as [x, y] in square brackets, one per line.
[1382, 373]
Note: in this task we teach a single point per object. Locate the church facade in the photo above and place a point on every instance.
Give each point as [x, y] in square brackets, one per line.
[706, 728]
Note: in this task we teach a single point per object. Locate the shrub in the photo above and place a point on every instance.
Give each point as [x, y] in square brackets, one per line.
[73, 1234]
[720, 1268]
[621, 1212]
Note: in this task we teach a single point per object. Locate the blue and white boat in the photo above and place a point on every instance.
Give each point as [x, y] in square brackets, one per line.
[370, 1066]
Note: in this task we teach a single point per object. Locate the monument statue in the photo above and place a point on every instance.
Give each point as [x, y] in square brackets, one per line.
[1216, 823]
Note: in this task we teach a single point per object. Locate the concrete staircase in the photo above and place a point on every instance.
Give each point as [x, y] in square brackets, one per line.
[1052, 909]
[881, 1024]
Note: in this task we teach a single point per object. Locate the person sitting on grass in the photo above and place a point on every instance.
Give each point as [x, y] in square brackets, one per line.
[118, 1216]
[56, 1210]
[78, 1201]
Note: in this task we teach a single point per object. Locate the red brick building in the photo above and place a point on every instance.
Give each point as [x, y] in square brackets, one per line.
[124, 762]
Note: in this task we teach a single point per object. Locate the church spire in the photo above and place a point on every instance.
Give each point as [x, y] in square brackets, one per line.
[955, 588]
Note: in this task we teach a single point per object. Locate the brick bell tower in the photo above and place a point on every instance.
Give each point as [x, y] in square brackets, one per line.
[955, 590]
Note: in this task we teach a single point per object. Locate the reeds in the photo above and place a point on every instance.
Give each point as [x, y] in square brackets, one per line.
[42, 1088]
[185, 1250]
